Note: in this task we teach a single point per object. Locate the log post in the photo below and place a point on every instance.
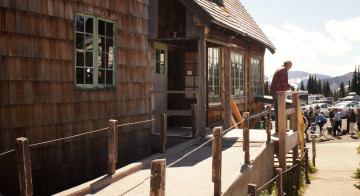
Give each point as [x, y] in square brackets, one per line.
[157, 179]
[112, 146]
[268, 123]
[246, 137]
[216, 159]
[307, 165]
[252, 190]
[163, 132]
[227, 87]
[313, 149]
[294, 116]
[279, 182]
[24, 165]
[193, 120]
[202, 88]
[282, 129]
[295, 154]
[297, 174]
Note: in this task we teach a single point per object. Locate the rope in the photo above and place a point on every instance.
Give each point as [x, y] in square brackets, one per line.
[64, 138]
[258, 115]
[135, 186]
[290, 168]
[270, 181]
[7, 152]
[136, 123]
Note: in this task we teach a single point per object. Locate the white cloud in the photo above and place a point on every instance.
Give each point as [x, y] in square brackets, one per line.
[314, 52]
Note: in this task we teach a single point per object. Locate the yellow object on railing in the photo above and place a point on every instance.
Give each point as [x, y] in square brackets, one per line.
[301, 129]
[236, 111]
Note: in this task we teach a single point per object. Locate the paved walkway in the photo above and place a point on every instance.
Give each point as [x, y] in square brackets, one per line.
[336, 163]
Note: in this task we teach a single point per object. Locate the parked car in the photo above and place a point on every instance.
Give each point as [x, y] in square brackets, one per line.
[344, 107]
[324, 108]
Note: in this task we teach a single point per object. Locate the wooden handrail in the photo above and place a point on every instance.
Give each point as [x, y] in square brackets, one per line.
[174, 92]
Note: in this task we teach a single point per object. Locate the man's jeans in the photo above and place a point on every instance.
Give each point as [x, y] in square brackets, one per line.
[275, 99]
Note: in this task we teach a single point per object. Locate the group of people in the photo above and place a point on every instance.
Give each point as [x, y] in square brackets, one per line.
[280, 83]
[314, 116]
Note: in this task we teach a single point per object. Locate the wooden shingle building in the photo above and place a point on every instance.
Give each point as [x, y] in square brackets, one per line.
[69, 66]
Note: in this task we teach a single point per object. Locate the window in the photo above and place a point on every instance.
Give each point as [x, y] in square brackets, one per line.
[237, 74]
[214, 72]
[191, 73]
[94, 51]
[160, 59]
[256, 76]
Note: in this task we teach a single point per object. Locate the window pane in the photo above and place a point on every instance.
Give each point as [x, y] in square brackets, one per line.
[79, 41]
[101, 27]
[157, 67]
[162, 68]
[101, 76]
[109, 45]
[103, 60]
[79, 23]
[109, 76]
[89, 76]
[101, 44]
[89, 42]
[79, 59]
[109, 29]
[89, 25]
[110, 63]
[157, 55]
[89, 59]
[79, 76]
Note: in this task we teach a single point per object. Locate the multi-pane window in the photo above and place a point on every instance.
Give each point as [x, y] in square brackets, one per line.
[94, 51]
[160, 59]
[256, 76]
[237, 74]
[191, 73]
[214, 72]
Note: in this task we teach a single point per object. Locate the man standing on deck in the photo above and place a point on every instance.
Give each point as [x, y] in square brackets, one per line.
[280, 83]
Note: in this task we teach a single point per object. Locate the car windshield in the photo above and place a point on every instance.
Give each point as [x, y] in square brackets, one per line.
[339, 105]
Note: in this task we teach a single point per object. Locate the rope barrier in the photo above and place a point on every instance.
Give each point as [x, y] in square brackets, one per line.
[136, 123]
[64, 138]
[135, 186]
[258, 115]
[290, 168]
[270, 181]
[7, 152]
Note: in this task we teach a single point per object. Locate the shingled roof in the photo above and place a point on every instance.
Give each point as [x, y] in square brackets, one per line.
[232, 15]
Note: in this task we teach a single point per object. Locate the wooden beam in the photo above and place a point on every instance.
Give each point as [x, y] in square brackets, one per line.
[163, 132]
[24, 166]
[201, 98]
[252, 190]
[248, 77]
[235, 110]
[282, 129]
[173, 112]
[112, 146]
[194, 120]
[216, 159]
[157, 179]
[227, 81]
[174, 92]
[295, 116]
[279, 182]
[246, 138]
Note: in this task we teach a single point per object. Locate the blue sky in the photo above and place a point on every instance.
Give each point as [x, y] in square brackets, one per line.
[317, 36]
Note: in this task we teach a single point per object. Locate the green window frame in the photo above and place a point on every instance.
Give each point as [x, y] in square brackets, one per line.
[214, 72]
[95, 51]
[161, 58]
[237, 74]
[256, 88]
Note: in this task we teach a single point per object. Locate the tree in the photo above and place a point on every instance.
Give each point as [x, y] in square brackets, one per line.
[326, 90]
[342, 90]
[319, 87]
[354, 82]
[302, 86]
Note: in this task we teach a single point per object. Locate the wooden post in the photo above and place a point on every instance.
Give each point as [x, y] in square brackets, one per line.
[313, 149]
[246, 137]
[194, 120]
[294, 116]
[227, 85]
[152, 112]
[307, 165]
[252, 190]
[279, 182]
[24, 165]
[112, 146]
[163, 132]
[268, 123]
[295, 154]
[282, 129]
[157, 179]
[297, 174]
[201, 98]
[216, 159]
